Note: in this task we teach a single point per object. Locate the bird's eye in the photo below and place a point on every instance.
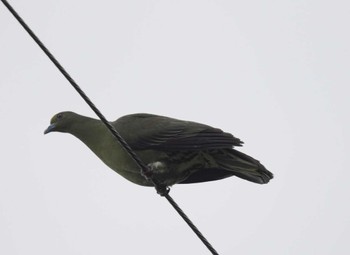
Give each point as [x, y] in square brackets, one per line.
[59, 116]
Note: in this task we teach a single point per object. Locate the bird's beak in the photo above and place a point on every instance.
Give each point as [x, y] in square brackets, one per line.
[50, 128]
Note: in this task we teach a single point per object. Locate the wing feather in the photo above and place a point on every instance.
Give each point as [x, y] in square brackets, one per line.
[146, 131]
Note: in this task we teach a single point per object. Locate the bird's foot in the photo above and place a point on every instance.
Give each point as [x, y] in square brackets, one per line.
[155, 168]
[162, 190]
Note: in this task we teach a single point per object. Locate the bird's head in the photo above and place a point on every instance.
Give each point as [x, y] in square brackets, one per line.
[61, 122]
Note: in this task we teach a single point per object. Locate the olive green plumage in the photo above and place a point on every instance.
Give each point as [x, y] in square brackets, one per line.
[177, 151]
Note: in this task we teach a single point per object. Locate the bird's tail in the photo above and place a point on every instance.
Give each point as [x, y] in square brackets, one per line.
[243, 166]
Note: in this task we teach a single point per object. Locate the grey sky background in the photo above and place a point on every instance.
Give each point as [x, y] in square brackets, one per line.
[273, 73]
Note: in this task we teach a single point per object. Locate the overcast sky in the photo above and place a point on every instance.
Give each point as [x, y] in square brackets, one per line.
[273, 73]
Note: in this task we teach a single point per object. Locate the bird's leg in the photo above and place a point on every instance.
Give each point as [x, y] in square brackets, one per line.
[162, 189]
[147, 173]
[158, 168]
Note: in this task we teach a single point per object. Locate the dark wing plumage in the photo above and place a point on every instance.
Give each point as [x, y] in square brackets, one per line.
[147, 131]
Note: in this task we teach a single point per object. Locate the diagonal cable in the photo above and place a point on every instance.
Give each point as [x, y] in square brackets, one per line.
[145, 171]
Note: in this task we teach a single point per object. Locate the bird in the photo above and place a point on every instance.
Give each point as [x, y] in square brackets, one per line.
[176, 151]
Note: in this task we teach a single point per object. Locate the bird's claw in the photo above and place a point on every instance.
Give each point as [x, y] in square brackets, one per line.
[162, 190]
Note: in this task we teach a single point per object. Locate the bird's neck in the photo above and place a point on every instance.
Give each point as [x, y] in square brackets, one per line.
[86, 130]
[99, 139]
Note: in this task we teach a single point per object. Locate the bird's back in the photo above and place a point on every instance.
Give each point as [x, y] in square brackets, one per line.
[195, 151]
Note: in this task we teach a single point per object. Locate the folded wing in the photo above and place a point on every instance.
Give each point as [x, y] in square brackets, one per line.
[146, 131]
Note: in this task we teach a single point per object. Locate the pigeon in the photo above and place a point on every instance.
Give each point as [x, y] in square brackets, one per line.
[175, 151]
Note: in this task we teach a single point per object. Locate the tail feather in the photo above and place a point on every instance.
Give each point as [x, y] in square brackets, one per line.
[243, 166]
[230, 162]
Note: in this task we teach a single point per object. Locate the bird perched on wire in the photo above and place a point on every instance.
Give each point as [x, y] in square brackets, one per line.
[176, 151]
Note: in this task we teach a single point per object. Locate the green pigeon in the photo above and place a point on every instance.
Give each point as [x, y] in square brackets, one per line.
[176, 151]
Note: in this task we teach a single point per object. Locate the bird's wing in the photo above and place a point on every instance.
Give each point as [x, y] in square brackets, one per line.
[147, 131]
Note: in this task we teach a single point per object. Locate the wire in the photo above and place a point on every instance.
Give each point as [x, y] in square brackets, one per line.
[191, 225]
[145, 171]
